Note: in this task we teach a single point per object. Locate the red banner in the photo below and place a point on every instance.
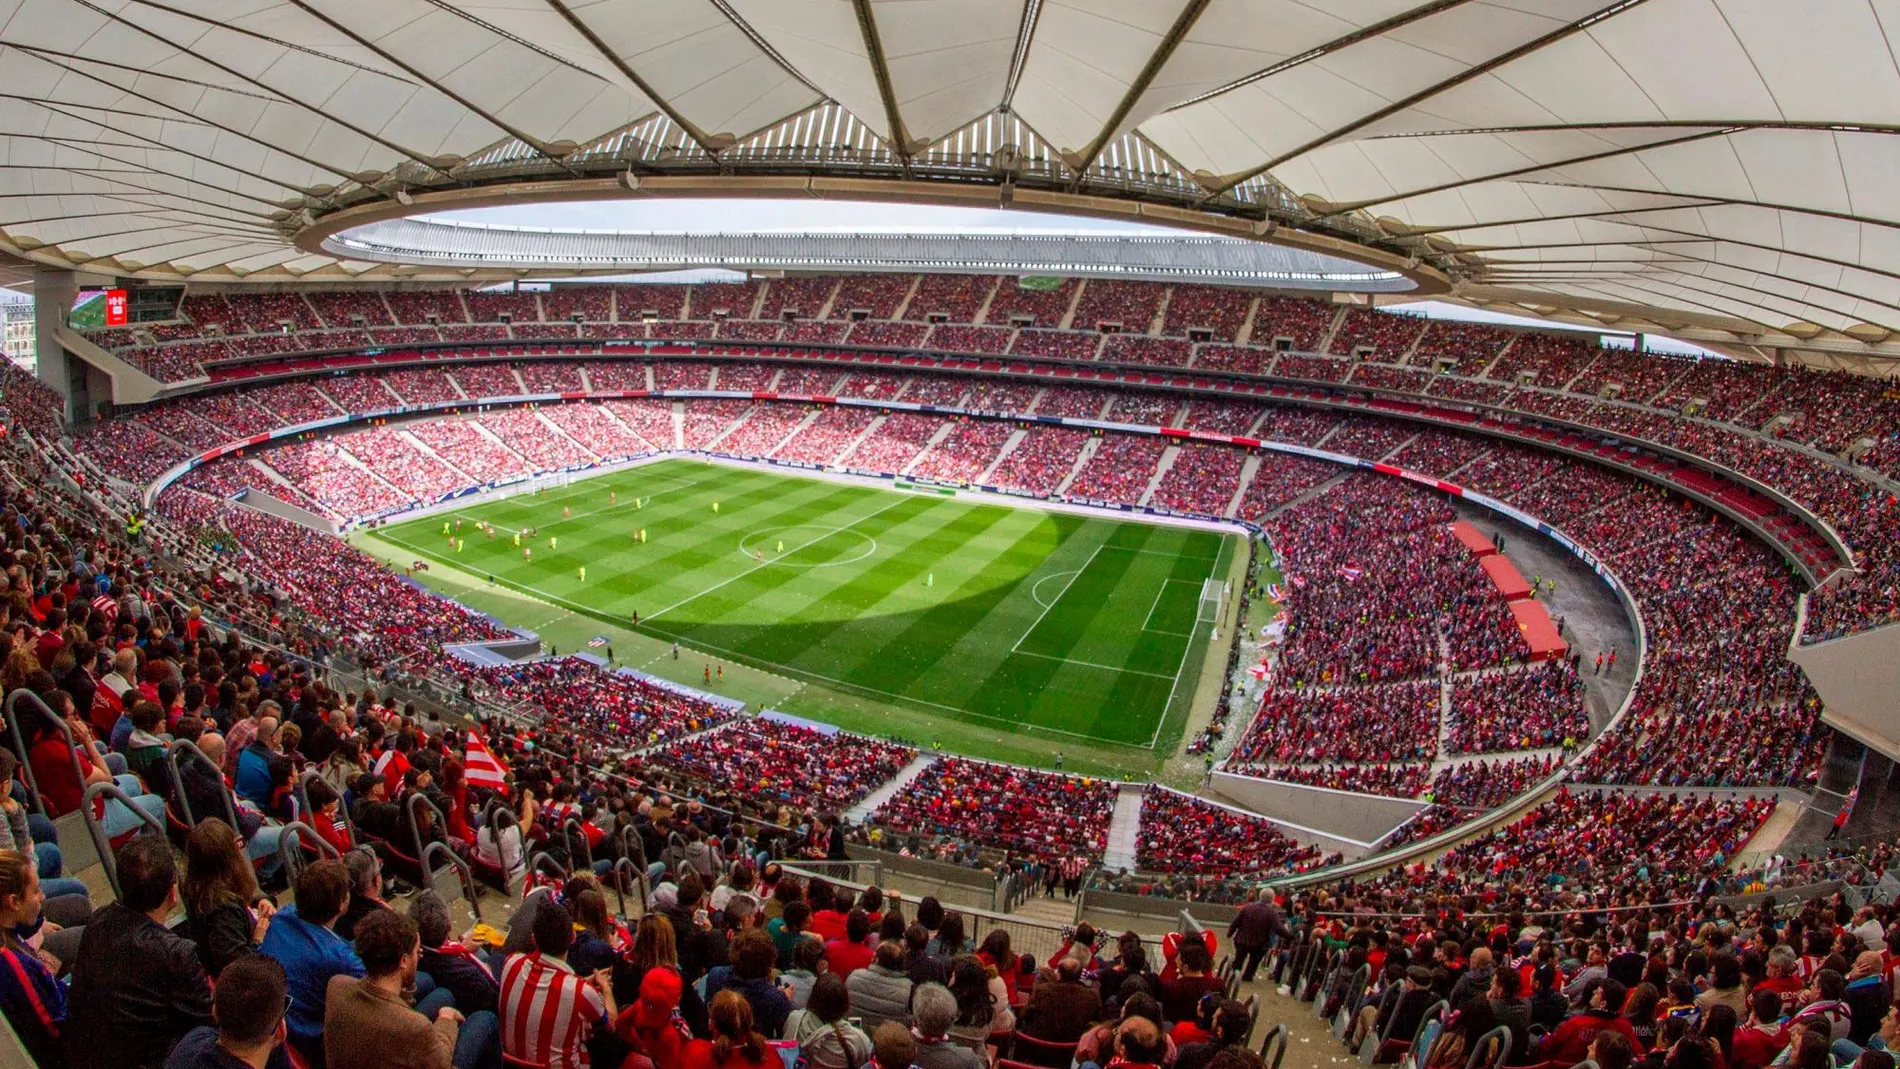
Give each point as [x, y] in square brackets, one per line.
[115, 308]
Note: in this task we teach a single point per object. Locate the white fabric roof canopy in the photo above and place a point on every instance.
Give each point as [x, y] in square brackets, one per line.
[1737, 158]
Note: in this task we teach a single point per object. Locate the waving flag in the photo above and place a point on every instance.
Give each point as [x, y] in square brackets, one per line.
[1276, 592]
[597, 642]
[482, 768]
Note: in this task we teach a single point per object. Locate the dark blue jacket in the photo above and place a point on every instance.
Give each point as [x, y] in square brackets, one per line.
[310, 954]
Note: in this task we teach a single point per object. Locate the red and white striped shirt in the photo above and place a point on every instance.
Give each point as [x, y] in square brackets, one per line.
[547, 1011]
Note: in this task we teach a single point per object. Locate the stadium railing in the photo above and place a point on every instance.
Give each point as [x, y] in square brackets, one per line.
[1038, 939]
[102, 843]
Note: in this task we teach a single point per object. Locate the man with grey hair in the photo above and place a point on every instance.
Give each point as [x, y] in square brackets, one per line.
[366, 890]
[453, 966]
[933, 1010]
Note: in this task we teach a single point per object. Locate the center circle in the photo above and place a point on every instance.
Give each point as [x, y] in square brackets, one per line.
[763, 543]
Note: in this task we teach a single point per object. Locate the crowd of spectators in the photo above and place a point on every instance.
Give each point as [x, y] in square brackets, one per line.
[876, 296]
[1202, 479]
[777, 765]
[1488, 783]
[541, 445]
[1377, 777]
[759, 433]
[826, 437]
[1603, 839]
[1393, 722]
[1219, 311]
[1182, 833]
[1041, 460]
[878, 334]
[1511, 709]
[1057, 344]
[599, 432]
[966, 452]
[1376, 335]
[1020, 809]
[898, 441]
[1015, 304]
[1377, 580]
[1120, 470]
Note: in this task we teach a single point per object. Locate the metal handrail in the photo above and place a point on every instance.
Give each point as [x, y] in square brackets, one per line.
[632, 847]
[1502, 1034]
[620, 884]
[19, 742]
[100, 840]
[1279, 1033]
[287, 849]
[466, 875]
[191, 749]
[415, 826]
[573, 831]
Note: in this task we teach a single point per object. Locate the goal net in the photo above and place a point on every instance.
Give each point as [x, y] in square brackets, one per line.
[1213, 599]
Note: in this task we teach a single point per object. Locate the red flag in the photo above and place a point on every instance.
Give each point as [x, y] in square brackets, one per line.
[482, 768]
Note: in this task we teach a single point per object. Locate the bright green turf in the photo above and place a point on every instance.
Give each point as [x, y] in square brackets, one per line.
[1066, 624]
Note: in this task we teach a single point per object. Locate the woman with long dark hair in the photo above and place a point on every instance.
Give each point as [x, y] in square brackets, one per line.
[224, 912]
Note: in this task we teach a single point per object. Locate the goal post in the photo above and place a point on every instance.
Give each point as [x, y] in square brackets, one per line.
[1213, 600]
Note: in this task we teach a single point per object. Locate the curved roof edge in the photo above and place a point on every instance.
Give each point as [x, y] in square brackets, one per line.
[1208, 259]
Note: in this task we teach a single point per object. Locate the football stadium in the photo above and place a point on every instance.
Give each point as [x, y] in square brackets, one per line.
[956, 534]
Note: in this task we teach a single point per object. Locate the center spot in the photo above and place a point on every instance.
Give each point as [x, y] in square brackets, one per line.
[761, 546]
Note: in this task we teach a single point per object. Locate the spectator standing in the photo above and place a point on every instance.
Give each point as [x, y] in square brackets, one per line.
[1253, 929]
[137, 988]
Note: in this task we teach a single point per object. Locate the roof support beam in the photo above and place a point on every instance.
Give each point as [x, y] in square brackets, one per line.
[523, 136]
[1320, 51]
[1501, 176]
[1157, 60]
[1657, 124]
[702, 138]
[886, 90]
[1695, 202]
[1712, 200]
[1476, 70]
[1019, 59]
[287, 98]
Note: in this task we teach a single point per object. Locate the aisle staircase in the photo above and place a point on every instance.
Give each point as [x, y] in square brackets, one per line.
[905, 776]
[1124, 831]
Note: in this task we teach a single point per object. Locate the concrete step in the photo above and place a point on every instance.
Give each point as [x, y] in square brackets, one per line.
[1124, 831]
[883, 794]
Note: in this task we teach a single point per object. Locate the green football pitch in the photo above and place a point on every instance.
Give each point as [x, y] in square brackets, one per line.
[1070, 626]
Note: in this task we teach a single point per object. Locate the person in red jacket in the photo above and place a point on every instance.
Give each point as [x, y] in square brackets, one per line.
[852, 951]
[1570, 1043]
[1764, 1036]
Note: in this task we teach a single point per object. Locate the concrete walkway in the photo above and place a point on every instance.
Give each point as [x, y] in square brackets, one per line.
[1124, 832]
[905, 776]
